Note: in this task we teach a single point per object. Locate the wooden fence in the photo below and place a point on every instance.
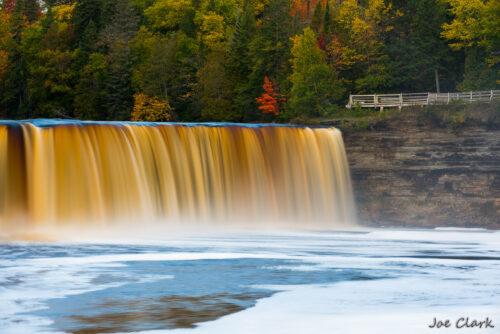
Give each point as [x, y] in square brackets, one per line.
[419, 99]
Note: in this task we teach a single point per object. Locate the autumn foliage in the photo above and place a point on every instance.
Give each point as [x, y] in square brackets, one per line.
[304, 9]
[208, 59]
[150, 109]
[270, 102]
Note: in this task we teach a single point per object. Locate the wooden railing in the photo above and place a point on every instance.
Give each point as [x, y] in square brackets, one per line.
[419, 99]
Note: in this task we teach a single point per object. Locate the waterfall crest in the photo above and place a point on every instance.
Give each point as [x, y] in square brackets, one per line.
[61, 172]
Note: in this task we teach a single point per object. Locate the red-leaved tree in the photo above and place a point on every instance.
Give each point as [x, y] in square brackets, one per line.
[270, 101]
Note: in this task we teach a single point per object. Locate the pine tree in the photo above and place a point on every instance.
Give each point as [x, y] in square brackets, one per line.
[327, 20]
[239, 65]
[270, 55]
[15, 90]
[414, 50]
[86, 11]
[317, 19]
[116, 37]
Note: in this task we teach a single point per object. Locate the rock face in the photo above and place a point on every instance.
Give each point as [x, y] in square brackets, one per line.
[411, 175]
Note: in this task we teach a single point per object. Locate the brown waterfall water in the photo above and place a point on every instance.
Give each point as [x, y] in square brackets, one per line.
[55, 173]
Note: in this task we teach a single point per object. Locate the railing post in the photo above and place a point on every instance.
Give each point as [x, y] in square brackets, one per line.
[375, 100]
[400, 101]
[427, 99]
[470, 97]
[350, 101]
[448, 98]
[491, 95]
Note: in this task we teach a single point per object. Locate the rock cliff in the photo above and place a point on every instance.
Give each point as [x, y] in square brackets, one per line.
[410, 174]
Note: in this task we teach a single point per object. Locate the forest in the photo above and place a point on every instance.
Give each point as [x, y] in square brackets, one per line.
[236, 60]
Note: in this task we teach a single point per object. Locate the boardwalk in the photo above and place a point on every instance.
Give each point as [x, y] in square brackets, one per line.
[419, 99]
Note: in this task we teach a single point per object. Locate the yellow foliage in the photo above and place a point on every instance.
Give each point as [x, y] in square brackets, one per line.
[466, 27]
[362, 29]
[63, 12]
[150, 109]
[213, 30]
[168, 14]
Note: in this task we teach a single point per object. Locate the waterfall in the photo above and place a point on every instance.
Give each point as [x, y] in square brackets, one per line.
[55, 173]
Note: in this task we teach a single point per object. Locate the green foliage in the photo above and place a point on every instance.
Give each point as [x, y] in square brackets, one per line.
[317, 19]
[166, 15]
[207, 59]
[90, 90]
[269, 54]
[315, 87]
[239, 65]
[414, 51]
[215, 90]
[478, 75]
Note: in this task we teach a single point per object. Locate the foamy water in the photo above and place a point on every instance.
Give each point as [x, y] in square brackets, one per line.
[377, 281]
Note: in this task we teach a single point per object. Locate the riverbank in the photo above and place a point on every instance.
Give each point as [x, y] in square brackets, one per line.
[437, 166]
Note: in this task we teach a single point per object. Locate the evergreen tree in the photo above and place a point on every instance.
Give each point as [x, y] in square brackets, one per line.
[215, 90]
[327, 20]
[317, 19]
[478, 75]
[116, 37]
[86, 11]
[416, 51]
[15, 90]
[90, 91]
[270, 54]
[239, 64]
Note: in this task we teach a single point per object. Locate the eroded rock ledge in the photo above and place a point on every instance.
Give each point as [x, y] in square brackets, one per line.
[411, 174]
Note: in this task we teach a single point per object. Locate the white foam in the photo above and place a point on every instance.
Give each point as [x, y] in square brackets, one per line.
[416, 289]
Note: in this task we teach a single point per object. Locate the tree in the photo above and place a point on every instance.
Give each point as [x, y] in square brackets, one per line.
[165, 66]
[317, 19]
[239, 64]
[86, 11]
[478, 75]
[5, 39]
[215, 89]
[327, 20]
[270, 101]
[315, 86]
[150, 109]
[116, 38]
[415, 50]
[269, 53]
[90, 91]
[29, 8]
[356, 44]
[49, 62]
[165, 15]
[474, 28]
[15, 91]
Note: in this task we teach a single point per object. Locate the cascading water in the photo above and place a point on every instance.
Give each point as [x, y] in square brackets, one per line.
[54, 173]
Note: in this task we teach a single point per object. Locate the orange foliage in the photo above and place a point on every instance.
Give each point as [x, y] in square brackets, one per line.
[335, 52]
[270, 101]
